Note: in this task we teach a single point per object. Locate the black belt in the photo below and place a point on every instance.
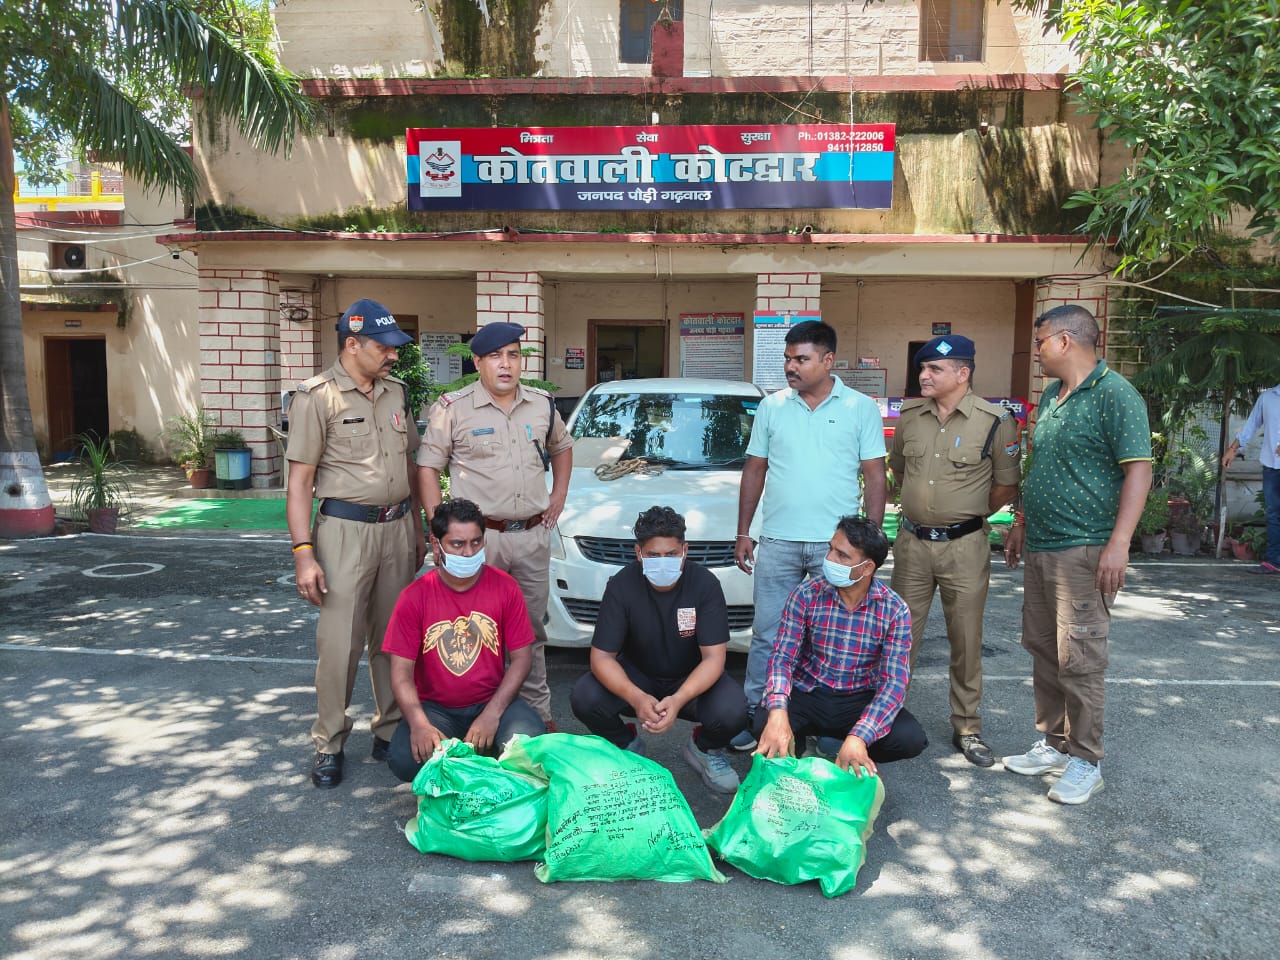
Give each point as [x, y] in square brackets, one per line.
[942, 534]
[345, 510]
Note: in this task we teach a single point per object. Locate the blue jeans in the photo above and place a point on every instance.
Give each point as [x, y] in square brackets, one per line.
[455, 722]
[781, 566]
[1271, 506]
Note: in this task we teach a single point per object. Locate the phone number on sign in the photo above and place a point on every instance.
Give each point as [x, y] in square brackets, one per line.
[855, 148]
[842, 135]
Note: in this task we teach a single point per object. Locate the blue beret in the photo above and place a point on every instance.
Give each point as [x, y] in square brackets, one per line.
[495, 336]
[950, 347]
[368, 318]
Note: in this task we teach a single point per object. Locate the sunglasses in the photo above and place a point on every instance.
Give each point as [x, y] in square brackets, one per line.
[1048, 336]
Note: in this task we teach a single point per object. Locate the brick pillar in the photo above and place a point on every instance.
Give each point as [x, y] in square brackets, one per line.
[239, 360]
[300, 332]
[515, 298]
[1083, 291]
[788, 292]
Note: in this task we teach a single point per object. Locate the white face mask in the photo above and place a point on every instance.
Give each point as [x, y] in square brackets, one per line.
[661, 571]
[838, 575]
[462, 567]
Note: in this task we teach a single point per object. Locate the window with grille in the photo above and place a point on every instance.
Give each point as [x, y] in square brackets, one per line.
[635, 27]
[951, 30]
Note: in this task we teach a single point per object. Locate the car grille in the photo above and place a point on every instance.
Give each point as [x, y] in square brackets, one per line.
[588, 611]
[710, 553]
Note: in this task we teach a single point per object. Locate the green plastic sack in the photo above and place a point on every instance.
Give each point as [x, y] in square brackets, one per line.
[611, 814]
[799, 819]
[473, 808]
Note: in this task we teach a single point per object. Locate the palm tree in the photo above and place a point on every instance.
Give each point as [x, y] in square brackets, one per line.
[92, 71]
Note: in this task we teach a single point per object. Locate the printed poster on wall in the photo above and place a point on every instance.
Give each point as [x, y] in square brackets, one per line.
[444, 368]
[713, 345]
[769, 343]
[705, 167]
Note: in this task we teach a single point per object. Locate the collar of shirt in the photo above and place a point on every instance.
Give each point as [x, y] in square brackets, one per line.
[838, 389]
[964, 407]
[344, 381]
[483, 396]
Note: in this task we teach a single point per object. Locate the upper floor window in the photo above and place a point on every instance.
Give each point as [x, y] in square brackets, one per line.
[635, 27]
[952, 30]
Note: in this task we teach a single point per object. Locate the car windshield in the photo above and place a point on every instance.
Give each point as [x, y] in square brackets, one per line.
[681, 430]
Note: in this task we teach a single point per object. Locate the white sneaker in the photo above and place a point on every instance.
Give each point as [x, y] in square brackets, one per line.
[713, 767]
[1080, 781]
[1041, 758]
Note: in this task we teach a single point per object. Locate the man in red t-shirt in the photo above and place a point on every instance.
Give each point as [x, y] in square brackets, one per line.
[450, 636]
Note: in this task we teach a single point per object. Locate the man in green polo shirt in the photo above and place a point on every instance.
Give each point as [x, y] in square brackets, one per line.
[1090, 474]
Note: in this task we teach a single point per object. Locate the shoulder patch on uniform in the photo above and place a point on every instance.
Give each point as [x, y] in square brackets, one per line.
[1012, 448]
[312, 382]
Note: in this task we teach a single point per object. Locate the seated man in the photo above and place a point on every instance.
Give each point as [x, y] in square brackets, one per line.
[658, 653]
[449, 636]
[839, 666]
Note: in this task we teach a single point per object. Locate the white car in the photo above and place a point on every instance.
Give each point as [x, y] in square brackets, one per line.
[697, 432]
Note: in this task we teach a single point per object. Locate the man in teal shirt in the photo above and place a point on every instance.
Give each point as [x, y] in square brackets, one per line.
[1090, 474]
[811, 440]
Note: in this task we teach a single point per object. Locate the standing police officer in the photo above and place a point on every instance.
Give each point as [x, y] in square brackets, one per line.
[351, 443]
[956, 459]
[498, 437]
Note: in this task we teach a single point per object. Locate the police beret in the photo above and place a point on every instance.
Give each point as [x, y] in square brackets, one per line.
[950, 347]
[495, 336]
[368, 318]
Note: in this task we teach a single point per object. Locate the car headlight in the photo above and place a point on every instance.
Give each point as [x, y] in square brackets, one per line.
[556, 542]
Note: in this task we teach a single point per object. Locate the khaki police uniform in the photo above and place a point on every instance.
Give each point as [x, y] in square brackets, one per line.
[360, 449]
[493, 461]
[945, 479]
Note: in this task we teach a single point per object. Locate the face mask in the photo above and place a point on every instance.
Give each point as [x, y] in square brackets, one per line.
[462, 567]
[661, 571]
[838, 575]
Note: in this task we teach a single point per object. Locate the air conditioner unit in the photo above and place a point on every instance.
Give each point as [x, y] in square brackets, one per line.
[66, 256]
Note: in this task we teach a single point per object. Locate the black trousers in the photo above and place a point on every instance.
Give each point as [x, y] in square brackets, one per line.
[823, 712]
[722, 710]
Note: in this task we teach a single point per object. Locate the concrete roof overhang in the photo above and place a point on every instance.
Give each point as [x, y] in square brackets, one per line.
[636, 256]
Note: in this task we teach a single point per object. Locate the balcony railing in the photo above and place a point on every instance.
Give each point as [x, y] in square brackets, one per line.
[86, 189]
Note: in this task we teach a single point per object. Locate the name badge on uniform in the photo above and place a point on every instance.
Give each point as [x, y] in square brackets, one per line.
[482, 431]
[687, 621]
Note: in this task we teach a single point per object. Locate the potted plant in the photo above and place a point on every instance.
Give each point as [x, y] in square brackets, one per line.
[1250, 544]
[190, 435]
[1193, 476]
[1154, 521]
[102, 493]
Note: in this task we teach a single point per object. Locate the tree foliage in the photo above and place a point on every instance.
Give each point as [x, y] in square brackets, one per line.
[113, 78]
[1192, 89]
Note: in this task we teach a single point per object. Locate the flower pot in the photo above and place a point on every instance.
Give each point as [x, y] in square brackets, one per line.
[1243, 551]
[1153, 543]
[103, 519]
[201, 478]
[1185, 544]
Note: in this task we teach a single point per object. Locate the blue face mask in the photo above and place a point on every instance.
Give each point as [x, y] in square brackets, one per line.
[661, 571]
[838, 575]
[462, 567]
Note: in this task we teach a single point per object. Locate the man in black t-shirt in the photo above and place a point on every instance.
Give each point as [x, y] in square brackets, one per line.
[659, 651]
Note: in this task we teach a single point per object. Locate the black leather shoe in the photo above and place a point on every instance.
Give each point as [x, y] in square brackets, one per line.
[380, 748]
[974, 750]
[327, 771]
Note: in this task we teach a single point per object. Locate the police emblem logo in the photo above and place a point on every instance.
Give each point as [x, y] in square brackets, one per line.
[459, 642]
[355, 323]
[944, 348]
[1012, 448]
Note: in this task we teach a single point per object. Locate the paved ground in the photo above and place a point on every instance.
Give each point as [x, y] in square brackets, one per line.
[157, 802]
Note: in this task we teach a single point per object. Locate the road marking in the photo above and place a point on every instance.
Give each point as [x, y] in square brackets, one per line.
[98, 571]
[300, 661]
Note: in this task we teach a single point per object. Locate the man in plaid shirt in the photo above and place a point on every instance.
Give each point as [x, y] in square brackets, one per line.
[840, 664]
